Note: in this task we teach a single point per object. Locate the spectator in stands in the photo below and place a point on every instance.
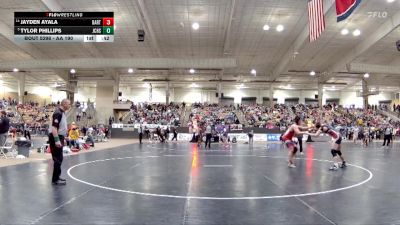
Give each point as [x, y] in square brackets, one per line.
[84, 130]
[78, 116]
[107, 132]
[89, 134]
[27, 133]
[101, 136]
[4, 127]
[73, 136]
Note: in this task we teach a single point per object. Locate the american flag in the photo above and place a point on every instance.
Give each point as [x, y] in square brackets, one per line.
[316, 18]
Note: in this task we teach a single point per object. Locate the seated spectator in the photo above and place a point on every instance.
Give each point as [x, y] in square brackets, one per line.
[73, 136]
[89, 136]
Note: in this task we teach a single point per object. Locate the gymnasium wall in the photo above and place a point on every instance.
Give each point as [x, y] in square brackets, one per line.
[13, 95]
[347, 98]
[42, 95]
[85, 93]
[191, 95]
[374, 99]
[194, 95]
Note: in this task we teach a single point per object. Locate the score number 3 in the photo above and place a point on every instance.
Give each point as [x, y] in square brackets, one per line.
[108, 22]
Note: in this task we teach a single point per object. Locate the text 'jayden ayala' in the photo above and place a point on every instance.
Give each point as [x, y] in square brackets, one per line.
[39, 22]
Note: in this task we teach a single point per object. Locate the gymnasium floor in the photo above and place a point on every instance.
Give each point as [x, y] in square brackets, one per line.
[182, 184]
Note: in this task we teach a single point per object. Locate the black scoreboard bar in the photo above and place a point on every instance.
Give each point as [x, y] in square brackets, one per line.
[62, 30]
[64, 26]
[63, 14]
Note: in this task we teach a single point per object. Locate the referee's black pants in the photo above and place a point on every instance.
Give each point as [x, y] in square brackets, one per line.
[208, 140]
[140, 137]
[57, 154]
[300, 139]
[386, 138]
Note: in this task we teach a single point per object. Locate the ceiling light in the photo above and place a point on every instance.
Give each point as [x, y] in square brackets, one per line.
[253, 71]
[312, 73]
[333, 86]
[15, 70]
[356, 32]
[130, 70]
[195, 26]
[240, 86]
[366, 75]
[72, 71]
[344, 31]
[146, 85]
[194, 85]
[280, 28]
[390, 1]
[265, 27]
[192, 71]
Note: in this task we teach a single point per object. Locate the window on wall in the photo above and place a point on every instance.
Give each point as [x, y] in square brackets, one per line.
[249, 100]
[227, 101]
[266, 101]
[291, 101]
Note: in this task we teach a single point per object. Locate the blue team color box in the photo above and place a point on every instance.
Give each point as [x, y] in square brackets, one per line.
[273, 137]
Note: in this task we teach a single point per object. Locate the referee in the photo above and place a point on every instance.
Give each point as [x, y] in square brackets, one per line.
[58, 131]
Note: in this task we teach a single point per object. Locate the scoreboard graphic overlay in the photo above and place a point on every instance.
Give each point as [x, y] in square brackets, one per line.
[64, 26]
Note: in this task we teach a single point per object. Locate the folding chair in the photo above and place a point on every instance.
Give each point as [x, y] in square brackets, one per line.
[9, 147]
[153, 137]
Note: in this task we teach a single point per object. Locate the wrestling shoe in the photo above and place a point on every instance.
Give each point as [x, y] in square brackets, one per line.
[343, 165]
[333, 167]
[59, 182]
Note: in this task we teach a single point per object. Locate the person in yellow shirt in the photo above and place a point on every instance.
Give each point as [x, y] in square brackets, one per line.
[73, 136]
[360, 122]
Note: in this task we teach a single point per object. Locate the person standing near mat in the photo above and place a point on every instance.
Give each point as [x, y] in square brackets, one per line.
[58, 131]
[251, 140]
[4, 127]
[300, 142]
[293, 131]
[336, 146]
[388, 133]
[175, 132]
[140, 131]
[208, 133]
